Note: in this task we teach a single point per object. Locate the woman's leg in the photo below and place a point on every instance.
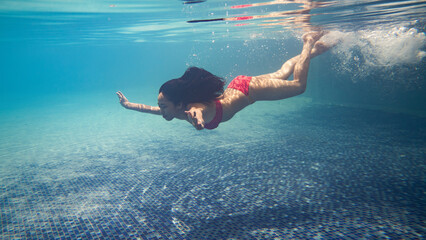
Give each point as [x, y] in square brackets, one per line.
[288, 67]
[275, 86]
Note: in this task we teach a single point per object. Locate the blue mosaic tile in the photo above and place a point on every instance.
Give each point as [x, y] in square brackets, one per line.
[309, 181]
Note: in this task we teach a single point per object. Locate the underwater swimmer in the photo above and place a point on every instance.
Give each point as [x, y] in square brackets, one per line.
[199, 96]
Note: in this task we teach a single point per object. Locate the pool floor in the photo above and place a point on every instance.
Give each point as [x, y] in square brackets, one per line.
[315, 172]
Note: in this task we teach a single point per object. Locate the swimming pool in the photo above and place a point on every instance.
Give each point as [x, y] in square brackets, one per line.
[344, 160]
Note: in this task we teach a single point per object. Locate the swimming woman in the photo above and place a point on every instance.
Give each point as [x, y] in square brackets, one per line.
[199, 96]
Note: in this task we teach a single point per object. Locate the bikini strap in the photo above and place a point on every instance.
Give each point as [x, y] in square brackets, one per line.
[214, 123]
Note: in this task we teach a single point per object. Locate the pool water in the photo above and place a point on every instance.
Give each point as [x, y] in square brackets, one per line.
[345, 160]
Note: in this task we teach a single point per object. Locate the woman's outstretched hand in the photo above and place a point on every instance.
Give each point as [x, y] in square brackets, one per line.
[195, 117]
[123, 100]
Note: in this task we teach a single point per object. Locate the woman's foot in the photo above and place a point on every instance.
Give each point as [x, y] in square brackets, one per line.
[319, 48]
[326, 42]
[312, 37]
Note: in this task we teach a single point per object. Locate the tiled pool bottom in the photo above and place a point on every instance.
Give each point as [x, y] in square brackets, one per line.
[321, 173]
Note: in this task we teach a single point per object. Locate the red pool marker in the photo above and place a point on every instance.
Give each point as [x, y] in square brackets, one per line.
[242, 6]
[244, 18]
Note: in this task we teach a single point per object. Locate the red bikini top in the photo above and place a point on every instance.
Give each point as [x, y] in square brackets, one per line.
[217, 118]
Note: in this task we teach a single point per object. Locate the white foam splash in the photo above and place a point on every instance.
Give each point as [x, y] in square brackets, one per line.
[384, 47]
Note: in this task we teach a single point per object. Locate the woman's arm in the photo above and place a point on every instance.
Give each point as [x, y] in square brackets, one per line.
[136, 106]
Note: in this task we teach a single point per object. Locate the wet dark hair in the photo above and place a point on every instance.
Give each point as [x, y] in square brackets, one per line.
[195, 86]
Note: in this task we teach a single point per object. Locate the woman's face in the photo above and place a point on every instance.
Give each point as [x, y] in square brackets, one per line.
[168, 109]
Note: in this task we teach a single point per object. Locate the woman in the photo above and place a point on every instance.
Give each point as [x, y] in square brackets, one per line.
[199, 97]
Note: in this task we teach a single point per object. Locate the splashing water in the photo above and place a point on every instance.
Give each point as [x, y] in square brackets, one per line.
[382, 47]
[364, 51]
